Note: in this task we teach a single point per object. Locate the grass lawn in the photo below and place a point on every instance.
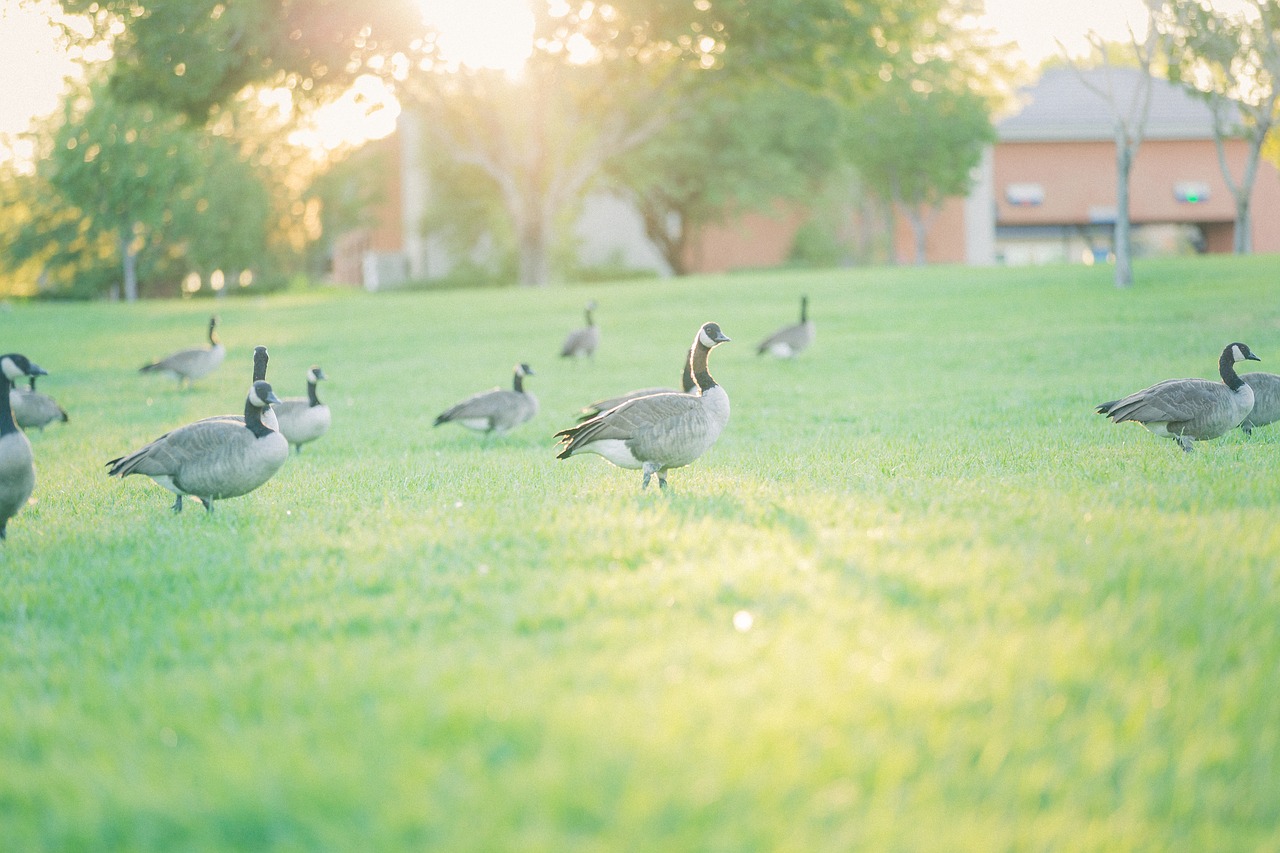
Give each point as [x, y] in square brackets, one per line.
[918, 598]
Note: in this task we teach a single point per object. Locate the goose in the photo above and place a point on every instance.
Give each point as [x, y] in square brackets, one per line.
[304, 419]
[1266, 400]
[17, 463]
[194, 363]
[212, 459]
[661, 431]
[1188, 410]
[260, 359]
[33, 410]
[590, 410]
[495, 411]
[583, 342]
[790, 341]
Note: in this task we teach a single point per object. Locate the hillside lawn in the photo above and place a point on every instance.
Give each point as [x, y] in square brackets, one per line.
[919, 597]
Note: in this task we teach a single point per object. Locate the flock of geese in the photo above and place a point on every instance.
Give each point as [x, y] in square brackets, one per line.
[652, 430]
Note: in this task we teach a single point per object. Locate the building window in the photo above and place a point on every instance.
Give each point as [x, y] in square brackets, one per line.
[1024, 195]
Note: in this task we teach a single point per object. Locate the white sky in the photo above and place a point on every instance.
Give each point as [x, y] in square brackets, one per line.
[33, 65]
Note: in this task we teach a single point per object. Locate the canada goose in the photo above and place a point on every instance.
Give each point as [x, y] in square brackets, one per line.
[661, 431]
[192, 363]
[495, 411]
[1266, 400]
[304, 419]
[590, 410]
[260, 359]
[1188, 410]
[790, 341]
[31, 409]
[17, 463]
[212, 459]
[583, 342]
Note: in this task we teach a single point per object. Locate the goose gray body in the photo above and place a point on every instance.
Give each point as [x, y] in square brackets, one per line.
[17, 462]
[194, 363]
[1266, 400]
[33, 410]
[303, 419]
[582, 342]
[790, 341]
[661, 431]
[1188, 410]
[590, 410]
[495, 411]
[213, 459]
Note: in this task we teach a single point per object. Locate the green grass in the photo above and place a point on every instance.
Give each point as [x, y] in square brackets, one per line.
[983, 617]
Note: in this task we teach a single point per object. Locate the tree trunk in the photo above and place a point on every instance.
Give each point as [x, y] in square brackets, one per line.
[129, 262]
[534, 253]
[919, 233]
[1123, 243]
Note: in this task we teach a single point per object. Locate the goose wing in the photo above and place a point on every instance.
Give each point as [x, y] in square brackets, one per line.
[590, 410]
[642, 423]
[796, 337]
[170, 452]
[486, 404]
[581, 340]
[1170, 401]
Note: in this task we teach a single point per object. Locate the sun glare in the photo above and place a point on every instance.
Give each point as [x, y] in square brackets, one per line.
[482, 33]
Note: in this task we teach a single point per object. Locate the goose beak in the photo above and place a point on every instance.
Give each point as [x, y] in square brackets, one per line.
[320, 375]
[36, 370]
[272, 398]
[723, 339]
[1252, 357]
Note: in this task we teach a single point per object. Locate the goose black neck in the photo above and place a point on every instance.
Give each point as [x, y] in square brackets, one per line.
[686, 378]
[213, 335]
[518, 383]
[311, 393]
[253, 420]
[1227, 370]
[7, 426]
[804, 309]
[260, 359]
[699, 365]
[591, 321]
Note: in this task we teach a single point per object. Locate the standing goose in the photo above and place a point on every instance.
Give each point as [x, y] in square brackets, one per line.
[662, 431]
[583, 342]
[495, 411]
[260, 359]
[304, 419]
[1266, 400]
[17, 464]
[194, 363]
[33, 410]
[790, 341]
[212, 459]
[590, 410]
[1188, 410]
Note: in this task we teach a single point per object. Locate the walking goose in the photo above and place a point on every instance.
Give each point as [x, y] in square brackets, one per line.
[33, 410]
[212, 459]
[304, 419]
[17, 463]
[1266, 400]
[194, 363]
[662, 431]
[590, 410]
[495, 411]
[260, 359]
[583, 342]
[790, 341]
[1188, 410]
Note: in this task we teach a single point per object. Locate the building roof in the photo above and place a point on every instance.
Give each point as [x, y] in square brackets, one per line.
[1062, 108]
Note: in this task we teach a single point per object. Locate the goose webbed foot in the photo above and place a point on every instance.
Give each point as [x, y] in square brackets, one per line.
[1248, 428]
[649, 470]
[1185, 442]
[177, 505]
[208, 505]
[662, 480]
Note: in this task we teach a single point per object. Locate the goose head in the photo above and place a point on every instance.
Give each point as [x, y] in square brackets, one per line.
[15, 365]
[261, 395]
[710, 335]
[523, 370]
[1240, 352]
[315, 374]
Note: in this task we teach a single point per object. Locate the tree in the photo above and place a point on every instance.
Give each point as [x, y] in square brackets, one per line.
[196, 56]
[1233, 63]
[915, 143]
[736, 150]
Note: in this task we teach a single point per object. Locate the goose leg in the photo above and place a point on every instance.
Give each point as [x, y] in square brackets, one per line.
[177, 505]
[662, 480]
[1247, 427]
[1185, 442]
[649, 470]
[208, 505]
